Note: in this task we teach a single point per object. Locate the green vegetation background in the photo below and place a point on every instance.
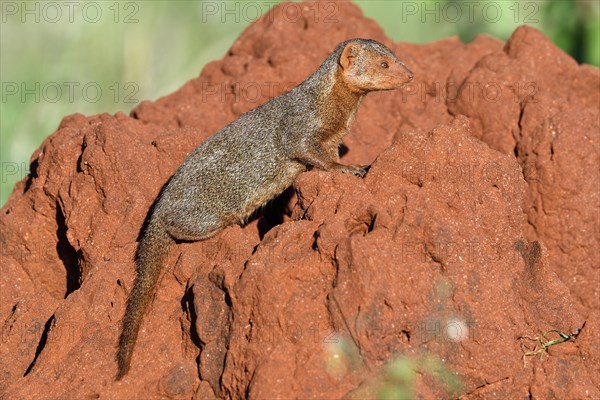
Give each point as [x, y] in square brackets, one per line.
[146, 49]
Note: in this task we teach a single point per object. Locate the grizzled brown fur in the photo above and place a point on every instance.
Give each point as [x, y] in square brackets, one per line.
[254, 159]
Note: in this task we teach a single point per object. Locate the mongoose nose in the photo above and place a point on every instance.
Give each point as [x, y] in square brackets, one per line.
[410, 76]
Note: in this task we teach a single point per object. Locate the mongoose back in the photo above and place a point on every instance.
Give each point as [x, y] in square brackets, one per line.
[254, 159]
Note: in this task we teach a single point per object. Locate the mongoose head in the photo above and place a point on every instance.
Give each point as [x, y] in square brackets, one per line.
[367, 65]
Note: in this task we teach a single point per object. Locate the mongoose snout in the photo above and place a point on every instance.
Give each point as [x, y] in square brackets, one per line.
[399, 75]
[254, 159]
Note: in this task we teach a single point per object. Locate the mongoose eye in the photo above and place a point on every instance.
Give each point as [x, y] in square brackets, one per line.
[384, 65]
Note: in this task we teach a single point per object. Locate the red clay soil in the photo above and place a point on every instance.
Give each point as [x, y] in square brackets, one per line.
[477, 224]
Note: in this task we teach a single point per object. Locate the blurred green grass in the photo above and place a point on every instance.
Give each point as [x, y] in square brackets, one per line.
[146, 49]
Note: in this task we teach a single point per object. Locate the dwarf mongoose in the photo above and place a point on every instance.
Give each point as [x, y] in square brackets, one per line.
[254, 159]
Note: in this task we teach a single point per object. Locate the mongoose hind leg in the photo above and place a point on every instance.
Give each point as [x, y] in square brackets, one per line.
[193, 231]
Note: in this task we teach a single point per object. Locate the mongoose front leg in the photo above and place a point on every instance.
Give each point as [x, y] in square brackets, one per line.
[320, 159]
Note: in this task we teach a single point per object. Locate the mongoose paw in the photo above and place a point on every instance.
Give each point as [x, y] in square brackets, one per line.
[357, 170]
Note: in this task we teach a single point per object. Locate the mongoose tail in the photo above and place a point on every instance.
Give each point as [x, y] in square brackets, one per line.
[151, 254]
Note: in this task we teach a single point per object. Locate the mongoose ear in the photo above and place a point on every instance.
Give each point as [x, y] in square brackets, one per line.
[348, 55]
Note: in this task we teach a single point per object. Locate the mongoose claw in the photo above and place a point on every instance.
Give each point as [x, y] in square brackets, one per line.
[358, 170]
